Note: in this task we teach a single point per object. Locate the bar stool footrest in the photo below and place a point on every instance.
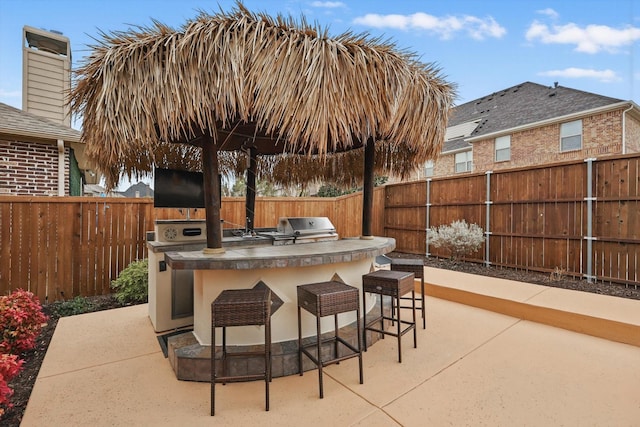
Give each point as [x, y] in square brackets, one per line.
[310, 355]
[388, 332]
[237, 379]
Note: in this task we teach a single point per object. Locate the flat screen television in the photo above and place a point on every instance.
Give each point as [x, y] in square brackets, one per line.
[178, 189]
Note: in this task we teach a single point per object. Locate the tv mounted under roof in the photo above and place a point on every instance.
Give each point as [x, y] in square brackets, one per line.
[178, 189]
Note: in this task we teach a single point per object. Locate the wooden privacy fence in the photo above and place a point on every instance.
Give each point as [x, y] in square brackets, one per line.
[62, 247]
[577, 218]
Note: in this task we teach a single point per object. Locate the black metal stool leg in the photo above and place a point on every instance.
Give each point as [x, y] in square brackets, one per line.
[267, 361]
[364, 321]
[399, 332]
[300, 343]
[359, 344]
[336, 333]
[415, 330]
[213, 371]
[382, 313]
[424, 316]
[225, 368]
[319, 344]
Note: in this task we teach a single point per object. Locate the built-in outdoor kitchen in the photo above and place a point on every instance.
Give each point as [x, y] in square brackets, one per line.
[298, 250]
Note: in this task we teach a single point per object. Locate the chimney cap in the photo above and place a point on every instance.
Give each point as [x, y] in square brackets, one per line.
[48, 41]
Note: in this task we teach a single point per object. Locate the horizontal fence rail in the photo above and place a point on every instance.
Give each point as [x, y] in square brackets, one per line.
[63, 247]
[578, 218]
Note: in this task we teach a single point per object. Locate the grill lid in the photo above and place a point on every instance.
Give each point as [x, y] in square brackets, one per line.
[299, 226]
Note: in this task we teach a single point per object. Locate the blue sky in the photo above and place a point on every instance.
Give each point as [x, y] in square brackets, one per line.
[481, 46]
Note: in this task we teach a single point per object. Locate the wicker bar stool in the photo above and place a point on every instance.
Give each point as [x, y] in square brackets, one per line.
[325, 299]
[394, 284]
[415, 266]
[240, 307]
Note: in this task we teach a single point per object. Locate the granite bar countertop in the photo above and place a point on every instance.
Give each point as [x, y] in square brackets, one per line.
[298, 255]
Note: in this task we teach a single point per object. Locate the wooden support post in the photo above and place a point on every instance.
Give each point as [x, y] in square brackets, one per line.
[212, 194]
[367, 191]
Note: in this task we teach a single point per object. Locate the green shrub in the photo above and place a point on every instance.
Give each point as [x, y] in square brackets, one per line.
[132, 285]
[78, 305]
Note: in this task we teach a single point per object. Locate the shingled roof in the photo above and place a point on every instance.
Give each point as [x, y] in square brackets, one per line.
[518, 106]
[20, 123]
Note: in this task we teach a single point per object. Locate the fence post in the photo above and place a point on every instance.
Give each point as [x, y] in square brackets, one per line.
[589, 237]
[427, 219]
[487, 230]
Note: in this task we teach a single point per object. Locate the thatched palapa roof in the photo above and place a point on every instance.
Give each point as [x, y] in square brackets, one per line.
[242, 78]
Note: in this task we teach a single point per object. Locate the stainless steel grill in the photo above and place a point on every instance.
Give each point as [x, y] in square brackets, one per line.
[306, 226]
[296, 230]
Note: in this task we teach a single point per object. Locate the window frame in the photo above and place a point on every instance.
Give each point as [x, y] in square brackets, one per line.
[570, 136]
[468, 163]
[502, 140]
[429, 165]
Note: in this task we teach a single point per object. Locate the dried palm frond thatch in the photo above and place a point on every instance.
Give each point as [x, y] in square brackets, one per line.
[239, 77]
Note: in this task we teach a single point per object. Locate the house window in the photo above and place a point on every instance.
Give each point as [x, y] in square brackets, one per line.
[571, 136]
[503, 148]
[428, 169]
[464, 161]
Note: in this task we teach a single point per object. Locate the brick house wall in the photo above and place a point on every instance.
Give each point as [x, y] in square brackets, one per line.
[444, 165]
[632, 134]
[30, 169]
[601, 135]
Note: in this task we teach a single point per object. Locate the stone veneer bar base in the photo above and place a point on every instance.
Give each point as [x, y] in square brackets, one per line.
[191, 361]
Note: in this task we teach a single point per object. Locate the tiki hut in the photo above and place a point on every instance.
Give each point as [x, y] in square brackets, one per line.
[244, 81]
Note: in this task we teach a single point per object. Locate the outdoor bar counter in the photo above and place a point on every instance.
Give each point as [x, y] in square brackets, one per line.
[282, 269]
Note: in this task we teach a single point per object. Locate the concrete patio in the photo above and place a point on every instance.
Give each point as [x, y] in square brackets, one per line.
[495, 352]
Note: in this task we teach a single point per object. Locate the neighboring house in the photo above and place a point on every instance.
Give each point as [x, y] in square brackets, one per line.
[138, 190]
[40, 154]
[531, 124]
[39, 157]
[96, 190]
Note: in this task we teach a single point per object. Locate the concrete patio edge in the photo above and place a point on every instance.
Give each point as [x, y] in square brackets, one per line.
[599, 325]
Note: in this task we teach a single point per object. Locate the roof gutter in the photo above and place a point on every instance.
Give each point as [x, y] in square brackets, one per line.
[38, 135]
[564, 118]
[457, 150]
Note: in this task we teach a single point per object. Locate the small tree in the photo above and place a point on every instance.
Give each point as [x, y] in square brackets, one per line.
[459, 238]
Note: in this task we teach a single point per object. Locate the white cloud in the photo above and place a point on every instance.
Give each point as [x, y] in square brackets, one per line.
[590, 39]
[605, 76]
[328, 4]
[549, 12]
[445, 27]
